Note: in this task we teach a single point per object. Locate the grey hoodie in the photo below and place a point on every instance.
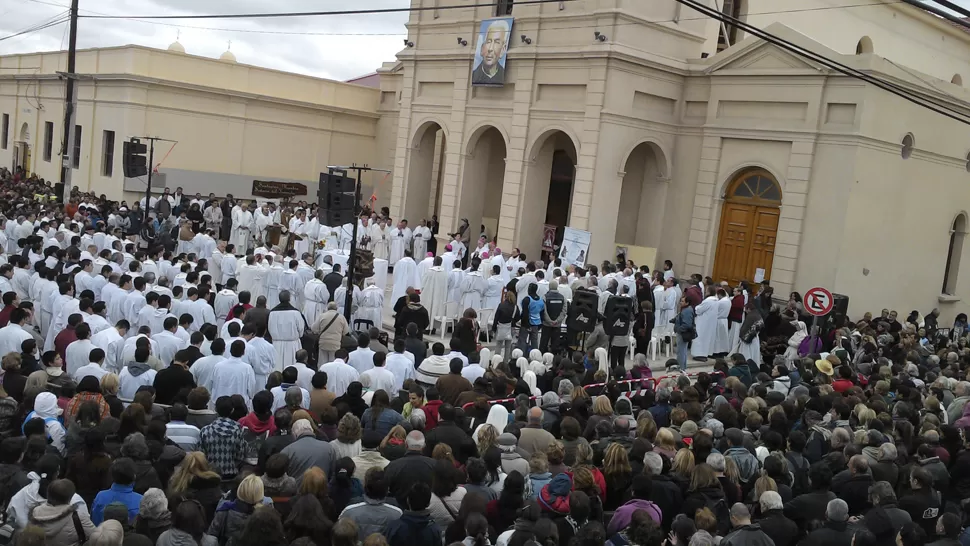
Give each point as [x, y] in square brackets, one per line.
[58, 524]
[177, 537]
[138, 368]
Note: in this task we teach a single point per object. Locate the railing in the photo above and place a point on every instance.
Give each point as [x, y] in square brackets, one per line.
[649, 383]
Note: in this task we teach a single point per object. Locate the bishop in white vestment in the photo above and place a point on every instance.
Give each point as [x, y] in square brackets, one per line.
[422, 234]
[435, 291]
[705, 321]
[400, 241]
[371, 304]
[242, 222]
[405, 276]
[286, 326]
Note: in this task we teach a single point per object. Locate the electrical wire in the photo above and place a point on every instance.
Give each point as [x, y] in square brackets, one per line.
[902, 92]
[428, 33]
[46, 23]
[374, 11]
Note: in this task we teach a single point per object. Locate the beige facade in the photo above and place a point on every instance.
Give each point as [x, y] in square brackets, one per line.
[236, 121]
[655, 128]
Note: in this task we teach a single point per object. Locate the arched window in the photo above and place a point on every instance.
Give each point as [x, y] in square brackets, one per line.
[908, 144]
[755, 185]
[864, 46]
[954, 254]
[957, 80]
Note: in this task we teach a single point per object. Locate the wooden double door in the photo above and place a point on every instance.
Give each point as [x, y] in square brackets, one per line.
[745, 242]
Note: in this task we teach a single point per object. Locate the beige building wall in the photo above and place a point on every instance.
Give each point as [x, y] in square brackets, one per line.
[657, 134]
[227, 118]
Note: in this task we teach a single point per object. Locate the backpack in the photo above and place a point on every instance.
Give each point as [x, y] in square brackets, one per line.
[800, 482]
[254, 442]
[721, 512]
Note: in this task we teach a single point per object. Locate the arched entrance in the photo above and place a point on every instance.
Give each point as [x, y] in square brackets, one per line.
[483, 182]
[643, 193]
[422, 198]
[21, 149]
[749, 226]
[548, 192]
[954, 254]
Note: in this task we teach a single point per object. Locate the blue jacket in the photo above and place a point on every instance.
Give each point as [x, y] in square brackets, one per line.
[684, 321]
[414, 529]
[124, 494]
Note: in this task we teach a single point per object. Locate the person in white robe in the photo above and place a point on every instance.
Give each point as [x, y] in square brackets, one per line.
[455, 277]
[340, 298]
[168, 342]
[345, 234]
[260, 354]
[422, 234]
[339, 375]
[14, 333]
[305, 270]
[292, 283]
[722, 339]
[61, 303]
[261, 220]
[380, 377]
[473, 287]
[229, 265]
[493, 293]
[400, 363]
[247, 274]
[286, 326]
[423, 267]
[105, 340]
[705, 321]
[315, 297]
[435, 293]
[273, 276]
[201, 311]
[298, 228]
[448, 257]
[498, 260]
[225, 300]
[233, 376]
[242, 223]
[400, 238]
[371, 304]
[405, 276]
[379, 239]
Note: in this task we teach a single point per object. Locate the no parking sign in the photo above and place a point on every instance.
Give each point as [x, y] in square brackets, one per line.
[818, 301]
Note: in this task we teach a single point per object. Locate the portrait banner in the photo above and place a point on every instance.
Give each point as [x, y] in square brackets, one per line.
[575, 246]
[491, 50]
[548, 237]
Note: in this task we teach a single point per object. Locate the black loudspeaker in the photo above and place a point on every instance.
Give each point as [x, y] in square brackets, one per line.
[582, 311]
[337, 217]
[337, 199]
[840, 310]
[618, 315]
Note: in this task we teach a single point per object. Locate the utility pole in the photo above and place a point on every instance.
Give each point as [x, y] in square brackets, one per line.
[70, 106]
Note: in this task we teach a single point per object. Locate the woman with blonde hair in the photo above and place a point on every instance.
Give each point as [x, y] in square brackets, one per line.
[195, 479]
[683, 465]
[664, 443]
[646, 426]
[602, 412]
[392, 446]
[110, 383]
[230, 519]
[618, 475]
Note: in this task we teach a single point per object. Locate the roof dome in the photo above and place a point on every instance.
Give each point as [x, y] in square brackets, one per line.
[176, 47]
[228, 57]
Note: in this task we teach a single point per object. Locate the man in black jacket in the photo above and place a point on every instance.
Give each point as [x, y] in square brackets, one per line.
[924, 504]
[855, 490]
[333, 279]
[410, 469]
[664, 492]
[835, 531]
[773, 521]
[810, 507]
[448, 432]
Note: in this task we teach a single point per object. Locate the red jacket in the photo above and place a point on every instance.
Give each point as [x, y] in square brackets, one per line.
[842, 385]
[431, 414]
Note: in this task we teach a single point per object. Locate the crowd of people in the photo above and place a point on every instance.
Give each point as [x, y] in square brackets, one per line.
[150, 397]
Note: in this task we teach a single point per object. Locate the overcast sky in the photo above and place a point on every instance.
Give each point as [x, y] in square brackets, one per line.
[331, 53]
[317, 46]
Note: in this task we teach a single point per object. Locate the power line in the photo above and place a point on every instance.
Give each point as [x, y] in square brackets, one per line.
[450, 32]
[54, 21]
[926, 102]
[320, 13]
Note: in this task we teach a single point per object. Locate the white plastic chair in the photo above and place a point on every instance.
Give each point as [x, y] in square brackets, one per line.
[484, 322]
[451, 317]
[631, 351]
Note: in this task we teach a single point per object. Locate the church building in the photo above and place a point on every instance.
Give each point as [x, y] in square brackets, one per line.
[648, 123]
